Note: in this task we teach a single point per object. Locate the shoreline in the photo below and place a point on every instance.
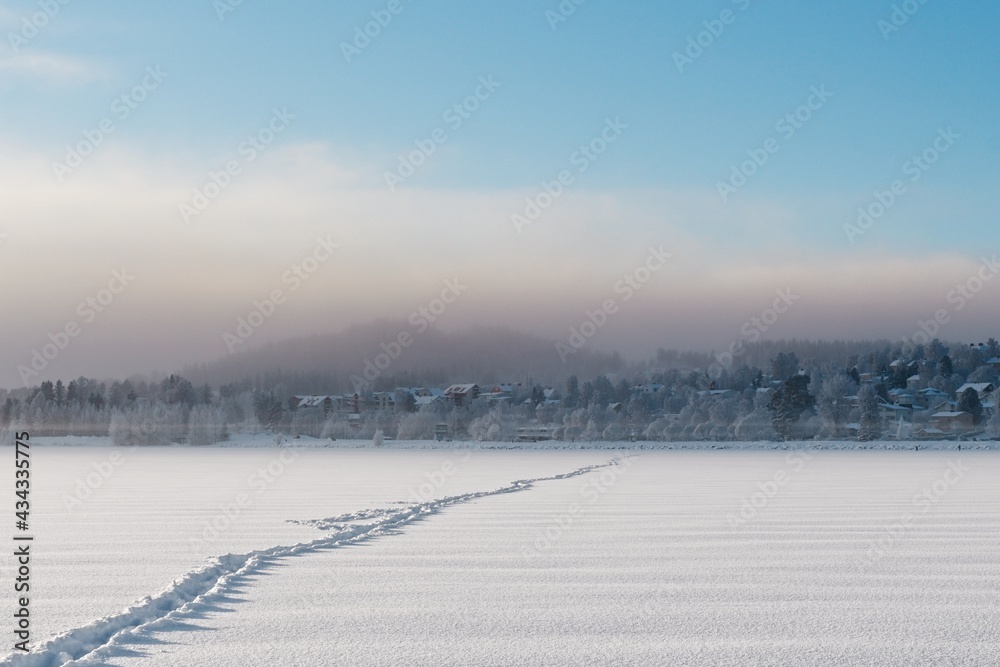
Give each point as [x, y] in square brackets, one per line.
[269, 441]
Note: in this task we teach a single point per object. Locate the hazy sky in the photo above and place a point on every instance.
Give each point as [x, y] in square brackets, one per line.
[119, 121]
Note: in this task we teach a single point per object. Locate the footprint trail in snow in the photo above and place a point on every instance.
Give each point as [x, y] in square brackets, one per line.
[200, 589]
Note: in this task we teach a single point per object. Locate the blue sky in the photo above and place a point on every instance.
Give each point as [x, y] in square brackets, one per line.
[891, 94]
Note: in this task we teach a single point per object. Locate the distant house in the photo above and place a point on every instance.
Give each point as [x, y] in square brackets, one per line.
[433, 399]
[995, 363]
[418, 393]
[384, 400]
[902, 397]
[460, 394]
[913, 383]
[892, 413]
[931, 392]
[505, 388]
[497, 392]
[983, 389]
[951, 422]
[306, 402]
[939, 405]
[650, 389]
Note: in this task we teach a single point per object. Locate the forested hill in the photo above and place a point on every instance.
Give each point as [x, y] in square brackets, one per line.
[325, 364]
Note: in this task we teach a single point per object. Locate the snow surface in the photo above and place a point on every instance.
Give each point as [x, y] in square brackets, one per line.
[484, 557]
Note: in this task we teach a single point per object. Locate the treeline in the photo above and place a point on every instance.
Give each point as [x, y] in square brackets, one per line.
[788, 397]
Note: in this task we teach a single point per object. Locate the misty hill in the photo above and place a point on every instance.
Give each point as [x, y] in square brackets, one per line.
[326, 363]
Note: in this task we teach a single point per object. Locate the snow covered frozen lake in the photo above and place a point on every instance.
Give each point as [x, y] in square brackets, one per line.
[286, 556]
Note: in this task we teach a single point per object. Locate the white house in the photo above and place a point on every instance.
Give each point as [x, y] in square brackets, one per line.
[460, 393]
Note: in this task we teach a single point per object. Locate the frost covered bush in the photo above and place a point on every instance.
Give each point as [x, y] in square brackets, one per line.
[491, 427]
[337, 428]
[148, 424]
[418, 425]
[7, 434]
[656, 430]
[206, 425]
[993, 427]
[756, 426]
[308, 422]
[614, 433]
[592, 432]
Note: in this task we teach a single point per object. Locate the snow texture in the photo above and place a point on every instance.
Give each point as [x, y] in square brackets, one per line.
[198, 590]
[799, 557]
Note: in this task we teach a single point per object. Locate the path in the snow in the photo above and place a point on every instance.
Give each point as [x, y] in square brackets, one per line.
[201, 589]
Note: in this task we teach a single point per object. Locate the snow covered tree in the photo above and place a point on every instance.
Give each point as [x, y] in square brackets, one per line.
[245, 414]
[146, 424]
[613, 433]
[406, 402]
[176, 389]
[723, 414]
[378, 439]
[572, 397]
[586, 393]
[789, 402]
[871, 422]
[604, 391]
[969, 402]
[784, 366]
[11, 408]
[418, 425]
[935, 350]
[993, 428]
[47, 390]
[757, 425]
[336, 427]
[206, 425]
[832, 403]
[656, 430]
[8, 432]
[982, 374]
[945, 367]
[73, 394]
[268, 410]
[489, 427]
[308, 422]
